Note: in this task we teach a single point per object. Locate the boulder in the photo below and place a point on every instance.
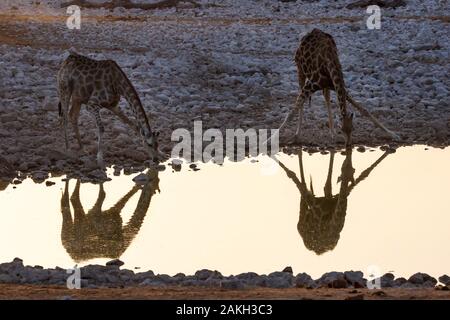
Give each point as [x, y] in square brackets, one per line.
[355, 278]
[387, 280]
[115, 262]
[280, 280]
[422, 278]
[332, 280]
[445, 279]
[304, 280]
[206, 274]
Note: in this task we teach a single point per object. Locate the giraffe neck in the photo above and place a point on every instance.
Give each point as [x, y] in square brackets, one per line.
[339, 86]
[127, 90]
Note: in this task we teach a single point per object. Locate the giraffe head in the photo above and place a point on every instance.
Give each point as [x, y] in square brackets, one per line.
[150, 140]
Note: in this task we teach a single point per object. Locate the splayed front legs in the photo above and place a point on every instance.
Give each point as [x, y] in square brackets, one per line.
[367, 114]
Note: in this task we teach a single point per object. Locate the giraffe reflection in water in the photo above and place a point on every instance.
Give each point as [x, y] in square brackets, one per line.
[100, 233]
[322, 218]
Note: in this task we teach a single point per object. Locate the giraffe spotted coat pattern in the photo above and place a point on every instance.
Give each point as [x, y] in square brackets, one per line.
[100, 84]
[319, 68]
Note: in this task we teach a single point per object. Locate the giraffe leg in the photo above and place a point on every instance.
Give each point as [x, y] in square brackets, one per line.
[328, 191]
[116, 110]
[63, 109]
[95, 111]
[299, 122]
[100, 199]
[301, 98]
[66, 136]
[367, 114]
[326, 95]
[73, 115]
[299, 105]
[78, 211]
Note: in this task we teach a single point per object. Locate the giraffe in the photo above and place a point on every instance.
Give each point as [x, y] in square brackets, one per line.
[318, 68]
[322, 218]
[100, 84]
[100, 233]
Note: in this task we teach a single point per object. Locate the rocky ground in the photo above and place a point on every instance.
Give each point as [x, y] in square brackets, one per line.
[229, 65]
[111, 276]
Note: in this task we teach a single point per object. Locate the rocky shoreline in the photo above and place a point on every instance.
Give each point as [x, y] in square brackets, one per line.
[229, 67]
[112, 276]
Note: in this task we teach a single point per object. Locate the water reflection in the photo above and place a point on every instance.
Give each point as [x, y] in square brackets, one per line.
[322, 218]
[100, 233]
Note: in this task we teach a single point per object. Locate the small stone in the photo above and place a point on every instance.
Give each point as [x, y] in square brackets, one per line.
[333, 280]
[355, 278]
[387, 280]
[445, 279]
[288, 270]
[49, 183]
[421, 278]
[176, 164]
[179, 276]
[141, 179]
[206, 274]
[339, 283]
[304, 280]
[115, 262]
[280, 280]
[399, 282]
[39, 176]
[361, 149]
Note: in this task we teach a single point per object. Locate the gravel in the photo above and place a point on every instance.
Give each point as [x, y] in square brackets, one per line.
[229, 66]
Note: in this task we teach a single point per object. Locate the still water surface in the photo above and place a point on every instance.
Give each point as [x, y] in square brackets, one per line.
[312, 212]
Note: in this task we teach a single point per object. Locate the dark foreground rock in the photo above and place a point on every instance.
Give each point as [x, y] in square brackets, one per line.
[110, 275]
